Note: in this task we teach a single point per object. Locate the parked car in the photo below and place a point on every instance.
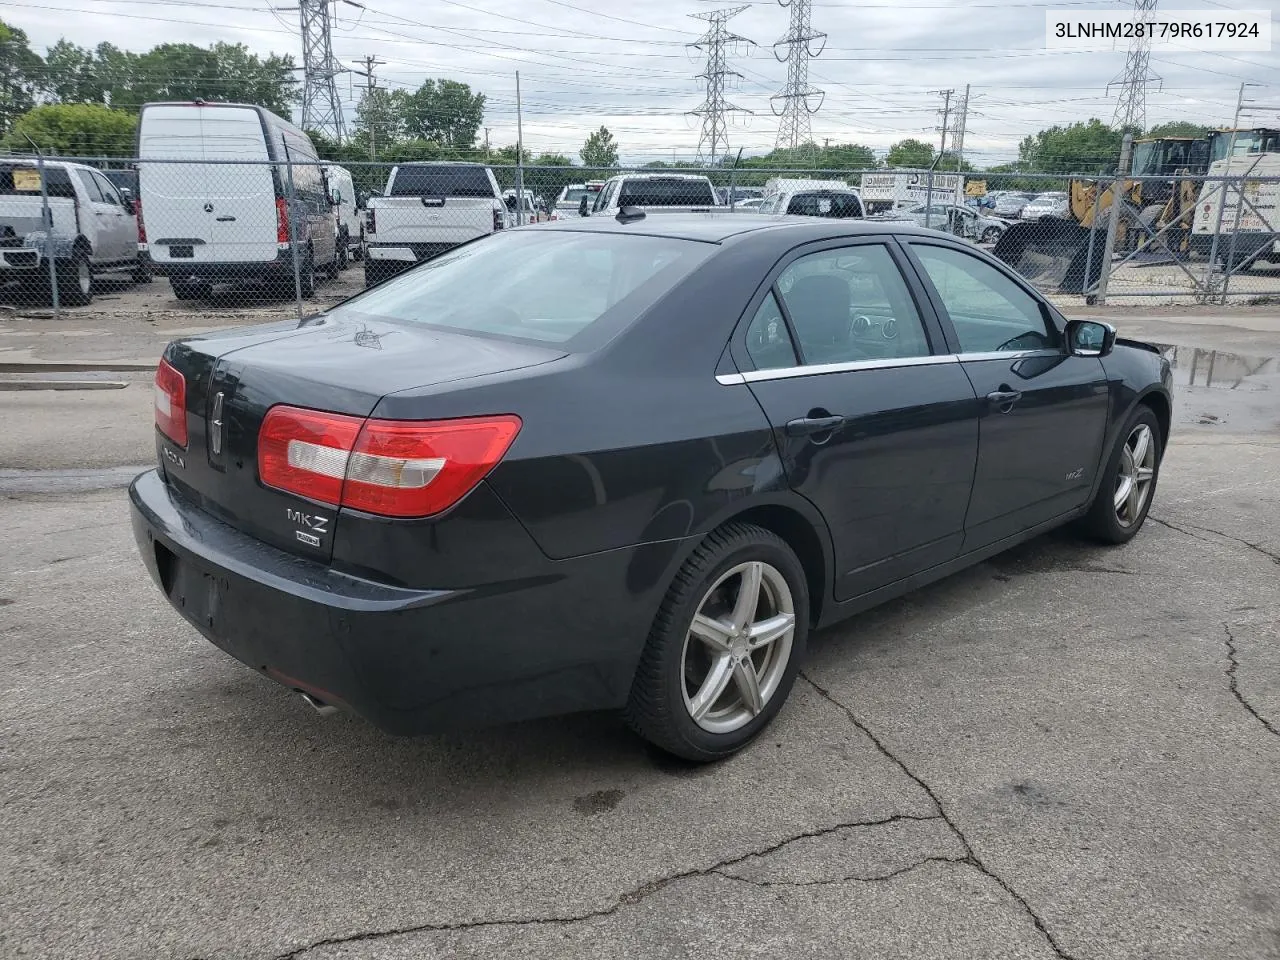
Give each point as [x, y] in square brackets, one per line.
[824, 202]
[532, 211]
[507, 509]
[207, 220]
[570, 199]
[1011, 204]
[348, 215]
[667, 192]
[1054, 204]
[779, 191]
[95, 229]
[430, 208]
[735, 196]
[961, 221]
[749, 205]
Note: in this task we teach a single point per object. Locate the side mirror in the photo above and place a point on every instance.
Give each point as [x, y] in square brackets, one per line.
[583, 208]
[1090, 338]
[130, 203]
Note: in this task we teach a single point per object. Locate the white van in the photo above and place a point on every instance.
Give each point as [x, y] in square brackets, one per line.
[350, 218]
[207, 222]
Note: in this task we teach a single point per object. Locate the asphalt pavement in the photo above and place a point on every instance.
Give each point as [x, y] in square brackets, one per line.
[1066, 752]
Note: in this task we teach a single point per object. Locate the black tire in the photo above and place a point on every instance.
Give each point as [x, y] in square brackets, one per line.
[341, 256]
[141, 274]
[307, 276]
[75, 281]
[191, 289]
[656, 708]
[375, 272]
[1103, 522]
[990, 235]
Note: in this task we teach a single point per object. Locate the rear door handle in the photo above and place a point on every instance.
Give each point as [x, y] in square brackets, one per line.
[1004, 398]
[811, 426]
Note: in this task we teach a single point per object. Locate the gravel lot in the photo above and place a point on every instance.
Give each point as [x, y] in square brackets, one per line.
[1065, 752]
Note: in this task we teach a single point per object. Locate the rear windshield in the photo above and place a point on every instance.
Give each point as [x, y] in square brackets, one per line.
[441, 182]
[835, 205]
[545, 287]
[574, 195]
[666, 193]
[20, 180]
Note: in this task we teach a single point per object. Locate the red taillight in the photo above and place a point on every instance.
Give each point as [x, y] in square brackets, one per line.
[171, 403]
[393, 468]
[499, 220]
[306, 451]
[142, 229]
[282, 220]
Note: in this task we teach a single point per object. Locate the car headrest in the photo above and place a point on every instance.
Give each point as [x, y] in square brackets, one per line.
[819, 307]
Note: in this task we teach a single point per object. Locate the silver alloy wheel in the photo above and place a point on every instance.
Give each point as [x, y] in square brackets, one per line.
[1137, 471]
[84, 276]
[738, 647]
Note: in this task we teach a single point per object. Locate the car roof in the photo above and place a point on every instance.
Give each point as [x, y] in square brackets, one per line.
[717, 227]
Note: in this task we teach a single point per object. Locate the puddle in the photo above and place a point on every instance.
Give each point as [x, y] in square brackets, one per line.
[1223, 390]
[1198, 367]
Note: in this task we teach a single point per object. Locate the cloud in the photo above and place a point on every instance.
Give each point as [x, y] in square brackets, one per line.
[630, 69]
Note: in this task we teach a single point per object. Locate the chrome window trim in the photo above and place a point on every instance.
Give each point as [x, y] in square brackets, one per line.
[814, 370]
[1010, 354]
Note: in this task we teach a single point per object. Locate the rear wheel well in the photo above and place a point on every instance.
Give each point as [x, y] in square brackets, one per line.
[800, 536]
[82, 245]
[1159, 405]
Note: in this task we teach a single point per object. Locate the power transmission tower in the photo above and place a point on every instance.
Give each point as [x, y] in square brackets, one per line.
[1131, 108]
[794, 128]
[714, 139]
[958, 128]
[370, 64]
[321, 108]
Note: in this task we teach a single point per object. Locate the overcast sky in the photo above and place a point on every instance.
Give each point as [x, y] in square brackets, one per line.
[631, 71]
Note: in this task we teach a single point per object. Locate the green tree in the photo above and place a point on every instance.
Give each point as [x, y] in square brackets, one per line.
[1088, 147]
[600, 150]
[70, 75]
[1178, 128]
[446, 112]
[380, 120]
[910, 153]
[21, 72]
[76, 130]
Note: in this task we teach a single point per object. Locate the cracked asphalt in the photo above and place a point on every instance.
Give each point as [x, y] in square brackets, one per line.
[1066, 752]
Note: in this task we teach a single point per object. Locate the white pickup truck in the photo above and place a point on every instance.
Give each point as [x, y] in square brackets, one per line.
[94, 229]
[669, 192]
[428, 209]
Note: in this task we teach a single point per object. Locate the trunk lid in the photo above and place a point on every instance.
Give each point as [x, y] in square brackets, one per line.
[339, 366]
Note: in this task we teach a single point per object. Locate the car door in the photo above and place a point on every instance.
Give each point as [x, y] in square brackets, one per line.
[124, 225]
[875, 421]
[98, 220]
[1044, 412]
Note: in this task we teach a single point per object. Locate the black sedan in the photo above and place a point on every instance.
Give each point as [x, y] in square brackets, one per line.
[628, 464]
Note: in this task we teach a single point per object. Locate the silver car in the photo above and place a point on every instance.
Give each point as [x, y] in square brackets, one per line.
[1055, 204]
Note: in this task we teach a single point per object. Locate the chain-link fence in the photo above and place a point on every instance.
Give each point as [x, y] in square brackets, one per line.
[288, 237]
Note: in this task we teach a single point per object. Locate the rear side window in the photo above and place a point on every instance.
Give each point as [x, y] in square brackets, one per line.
[20, 180]
[441, 182]
[666, 193]
[834, 205]
[546, 287]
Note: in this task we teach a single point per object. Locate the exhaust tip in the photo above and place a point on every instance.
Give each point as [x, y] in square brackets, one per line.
[320, 707]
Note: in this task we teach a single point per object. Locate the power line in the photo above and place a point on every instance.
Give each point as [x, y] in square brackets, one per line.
[714, 140]
[795, 127]
[371, 63]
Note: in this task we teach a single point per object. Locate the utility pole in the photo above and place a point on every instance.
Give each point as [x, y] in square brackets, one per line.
[321, 107]
[712, 110]
[370, 64]
[519, 157]
[1131, 107]
[946, 113]
[486, 143]
[794, 126]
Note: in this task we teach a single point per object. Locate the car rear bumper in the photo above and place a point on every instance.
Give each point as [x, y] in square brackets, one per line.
[408, 660]
[281, 266]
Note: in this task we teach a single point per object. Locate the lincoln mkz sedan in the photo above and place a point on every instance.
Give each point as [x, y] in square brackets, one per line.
[628, 463]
